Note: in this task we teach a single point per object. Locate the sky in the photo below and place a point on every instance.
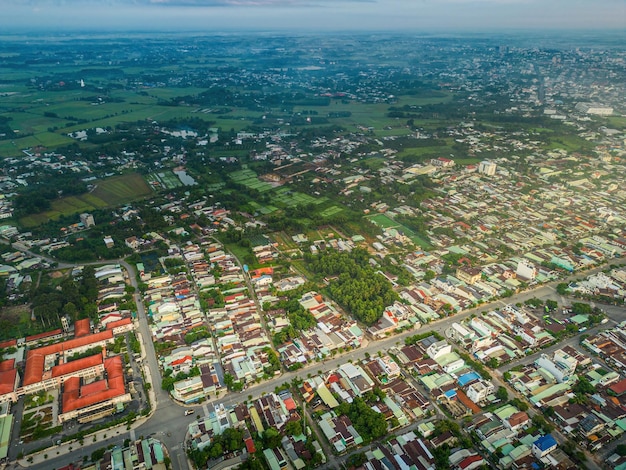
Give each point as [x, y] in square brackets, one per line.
[311, 15]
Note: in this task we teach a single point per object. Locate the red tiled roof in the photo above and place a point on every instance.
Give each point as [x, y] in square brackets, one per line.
[94, 387]
[76, 397]
[7, 381]
[463, 398]
[182, 360]
[8, 344]
[36, 357]
[619, 387]
[43, 335]
[518, 418]
[259, 272]
[34, 367]
[290, 404]
[250, 446]
[7, 365]
[333, 378]
[75, 366]
[118, 323]
[81, 328]
[467, 461]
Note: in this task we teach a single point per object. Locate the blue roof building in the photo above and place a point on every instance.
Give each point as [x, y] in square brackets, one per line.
[544, 445]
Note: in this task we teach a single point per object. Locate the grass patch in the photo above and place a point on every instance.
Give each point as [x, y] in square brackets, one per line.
[387, 222]
[571, 143]
[383, 221]
[289, 198]
[332, 210]
[467, 161]
[16, 323]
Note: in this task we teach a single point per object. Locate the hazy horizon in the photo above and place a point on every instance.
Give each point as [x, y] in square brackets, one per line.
[311, 15]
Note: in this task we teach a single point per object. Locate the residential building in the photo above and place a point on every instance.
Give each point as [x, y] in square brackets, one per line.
[487, 167]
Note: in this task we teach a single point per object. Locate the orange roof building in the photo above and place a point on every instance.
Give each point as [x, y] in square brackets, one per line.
[11, 343]
[89, 400]
[7, 365]
[42, 336]
[81, 328]
[124, 324]
[8, 380]
[463, 398]
[79, 367]
[36, 358]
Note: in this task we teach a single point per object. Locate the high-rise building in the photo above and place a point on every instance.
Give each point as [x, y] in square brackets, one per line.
[87, 220]
[487, 167]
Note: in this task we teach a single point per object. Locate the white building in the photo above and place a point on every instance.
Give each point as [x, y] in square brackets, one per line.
[438, 349]
[562, 366]
[87, 220]
[479, 391]
[526, 270]
[594, 108]
[487, 167]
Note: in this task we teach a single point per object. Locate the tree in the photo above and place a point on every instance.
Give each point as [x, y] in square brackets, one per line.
[540, 422]
[552, 305]
[579, 308]
[271, 438]
[583, 387]
[71, 311]
[502, 394]
[519, 404]
[369, 423]
[293, 428]
[492, 362]
[562, 288]
[229, 380]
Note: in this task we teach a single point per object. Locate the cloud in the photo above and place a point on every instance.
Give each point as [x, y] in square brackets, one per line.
[314, 15]
[184, 3]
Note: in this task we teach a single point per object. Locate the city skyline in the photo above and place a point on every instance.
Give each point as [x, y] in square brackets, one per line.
[312, 15]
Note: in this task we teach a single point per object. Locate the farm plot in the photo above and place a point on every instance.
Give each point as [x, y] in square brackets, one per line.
[249, 179]
[108, 193]
[332, 210]
[263, 209]
[290, 198]
[163, 179]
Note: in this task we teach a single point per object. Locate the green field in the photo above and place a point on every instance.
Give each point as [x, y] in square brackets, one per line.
[249, 178]
[387, 222]
[373, 115]
[263, 209]
[290, 198]
[383, 221]
[108, 193]
[332, 210]
[42, 116]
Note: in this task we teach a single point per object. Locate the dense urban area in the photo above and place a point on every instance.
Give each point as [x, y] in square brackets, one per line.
[380, 252]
